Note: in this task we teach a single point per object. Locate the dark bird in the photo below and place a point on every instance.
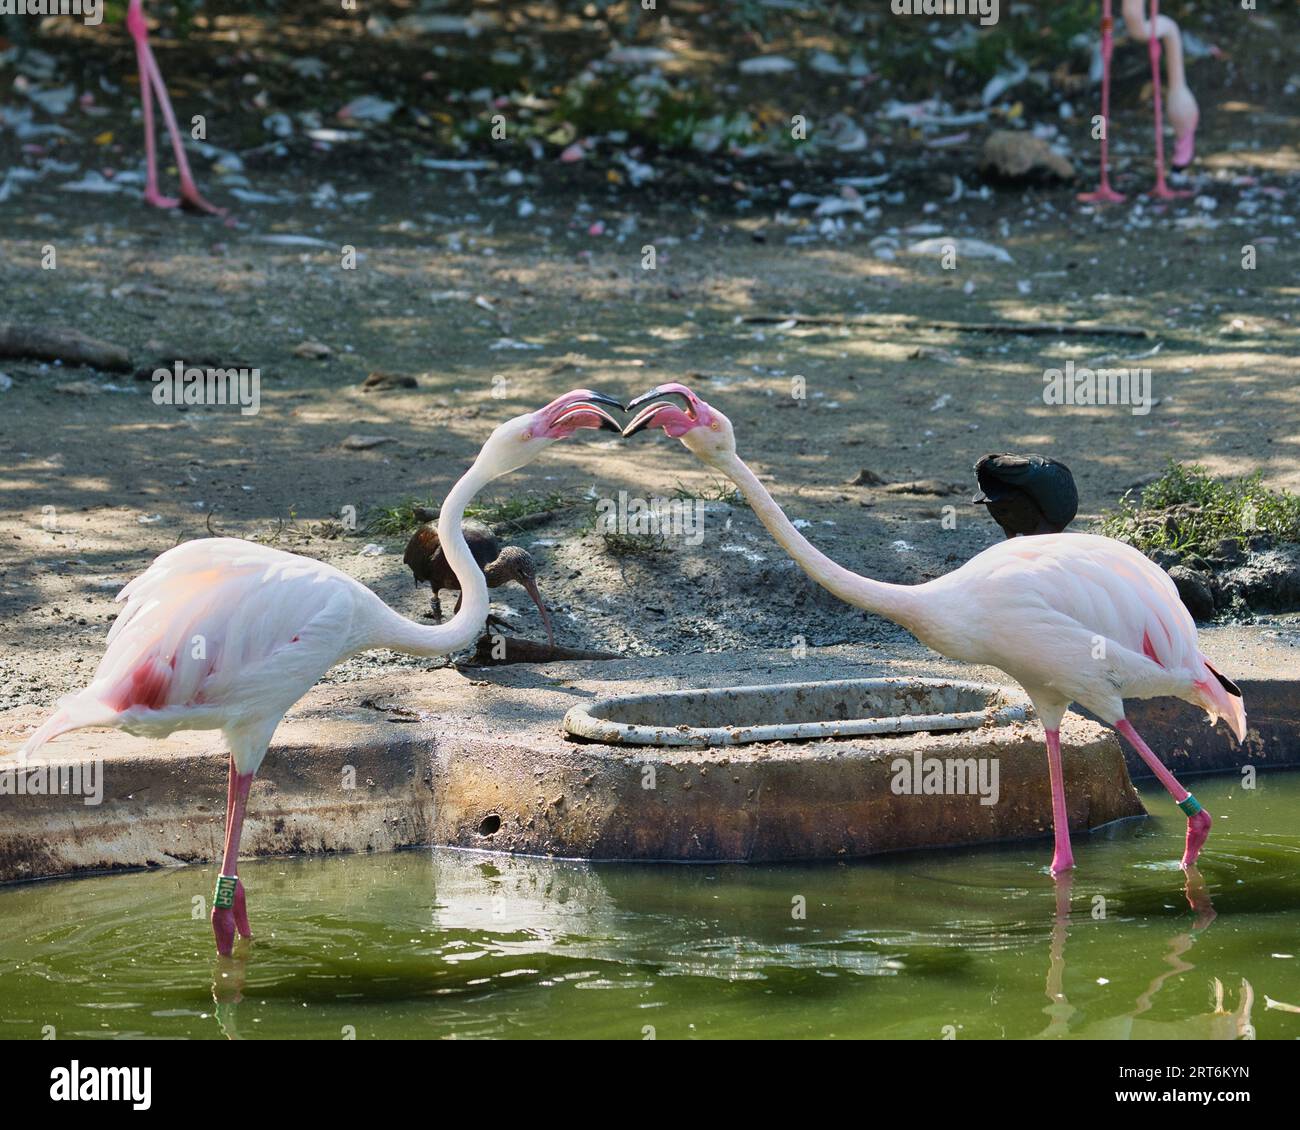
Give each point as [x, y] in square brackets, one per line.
[1027, 494]
[500, 565]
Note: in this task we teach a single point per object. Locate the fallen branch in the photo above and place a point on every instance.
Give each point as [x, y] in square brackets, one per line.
[1101, 329]
[57, 344]
[526, 651]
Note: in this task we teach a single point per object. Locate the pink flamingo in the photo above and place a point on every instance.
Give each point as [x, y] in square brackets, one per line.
[1183, 111]
[1071, 617]
[223, 634]
[151, 82]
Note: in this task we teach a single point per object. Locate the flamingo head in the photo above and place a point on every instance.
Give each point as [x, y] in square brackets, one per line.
[683, 415]
[523, 439]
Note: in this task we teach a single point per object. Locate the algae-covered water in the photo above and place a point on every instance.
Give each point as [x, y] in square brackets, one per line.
[431, 944]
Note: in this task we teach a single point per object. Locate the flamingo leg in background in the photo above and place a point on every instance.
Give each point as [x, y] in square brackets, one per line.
[1160, 190]
[1198, 820]
[151, 83]
[229, 906]
[1162, 36]
[1105, 194]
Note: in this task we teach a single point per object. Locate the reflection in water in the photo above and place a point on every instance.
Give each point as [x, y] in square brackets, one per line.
[1218, 1024]
[457, 944]
[229, 976]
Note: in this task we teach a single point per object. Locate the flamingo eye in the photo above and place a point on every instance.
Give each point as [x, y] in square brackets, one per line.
[527, 435]
[714, 425]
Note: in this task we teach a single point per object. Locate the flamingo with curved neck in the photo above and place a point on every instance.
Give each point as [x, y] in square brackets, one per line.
[224, 634]
[1158, 33]
[1071, 617]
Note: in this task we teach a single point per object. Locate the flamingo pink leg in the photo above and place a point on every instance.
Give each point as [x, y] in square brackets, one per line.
[226, 920]
[1105, 194]
[1198, 824]
[1062, 857]
[1161, 191]
[151, 82]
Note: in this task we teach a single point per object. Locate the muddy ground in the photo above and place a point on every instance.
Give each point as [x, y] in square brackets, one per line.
[454, 287]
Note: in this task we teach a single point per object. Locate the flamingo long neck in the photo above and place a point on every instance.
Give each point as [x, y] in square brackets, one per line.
[401, 634]
[1141, 29]
[900, 603]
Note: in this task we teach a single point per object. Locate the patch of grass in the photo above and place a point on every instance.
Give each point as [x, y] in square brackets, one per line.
[717, 490]
[633, 545]
[327, 529]
[1187, 511]
[399, 518]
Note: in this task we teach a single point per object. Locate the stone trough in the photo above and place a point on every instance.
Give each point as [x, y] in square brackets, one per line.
[756, 756]
[787, 771]
[837, 708]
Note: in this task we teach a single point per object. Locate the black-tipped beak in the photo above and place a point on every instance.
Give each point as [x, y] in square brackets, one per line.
[601, 398]
[607, 422]
[641, 399]
[662, 398]
[661, 393]
[644, 420]
[591, 404]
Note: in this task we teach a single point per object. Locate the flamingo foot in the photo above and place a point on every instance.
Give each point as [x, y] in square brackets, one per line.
[192, 201]
[1163, 192]
[155, 199]
[1198, 831]
[1104, 195]
[1062, 861]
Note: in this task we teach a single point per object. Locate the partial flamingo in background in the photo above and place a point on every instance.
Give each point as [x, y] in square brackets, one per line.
[223, 634]
[1071, 617]
[1183, 111]
[151, 83]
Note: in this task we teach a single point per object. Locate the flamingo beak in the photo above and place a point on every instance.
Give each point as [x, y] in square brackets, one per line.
[663, 397]
[577, 412]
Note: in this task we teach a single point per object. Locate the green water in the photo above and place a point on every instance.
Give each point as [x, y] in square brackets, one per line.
[447, 944]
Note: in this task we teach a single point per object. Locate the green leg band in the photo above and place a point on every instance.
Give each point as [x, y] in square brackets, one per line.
[1191, 805]
[223, 897]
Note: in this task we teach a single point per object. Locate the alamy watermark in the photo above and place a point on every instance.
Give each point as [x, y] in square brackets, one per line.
[945, 776]
[1082, 386]
[652, 517]
[90, 11]
[987, 10]
[83, 778]
[179, 385]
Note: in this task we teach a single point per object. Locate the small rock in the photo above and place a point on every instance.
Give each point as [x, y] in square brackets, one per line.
[1194, 589]
[384, 382]
[1020, 156]
[1228, 552]
[866, 478]
[79, 388]
[930, 353]
[365, 443]
[313, 351]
